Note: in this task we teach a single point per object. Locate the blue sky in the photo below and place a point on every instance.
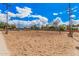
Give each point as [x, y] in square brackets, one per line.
[47, 10]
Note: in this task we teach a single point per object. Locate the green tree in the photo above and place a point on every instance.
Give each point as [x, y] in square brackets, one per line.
[63, 27]
[2, 24]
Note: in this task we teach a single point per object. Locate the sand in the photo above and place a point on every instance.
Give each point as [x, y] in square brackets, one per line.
[41, 43]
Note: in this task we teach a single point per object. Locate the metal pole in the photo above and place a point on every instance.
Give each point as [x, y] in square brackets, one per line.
[6, 25]
[70, 25]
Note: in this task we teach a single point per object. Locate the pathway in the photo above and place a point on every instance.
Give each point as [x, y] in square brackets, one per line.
[3, 48]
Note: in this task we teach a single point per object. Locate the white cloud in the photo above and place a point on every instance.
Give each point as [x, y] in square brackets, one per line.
[21, 23]
[75, 22]
[72, 16]
[74, 8]
[75, 11]
[66, 23]
[55, 14]
[23, 12]
[18, 23]
[72, 22]
[2, 17]
[0, 11]
[41, 18]
[40, 21]
[10, 14]
[60, 12]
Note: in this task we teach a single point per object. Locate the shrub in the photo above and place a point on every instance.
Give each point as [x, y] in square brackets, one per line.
[63, 27]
